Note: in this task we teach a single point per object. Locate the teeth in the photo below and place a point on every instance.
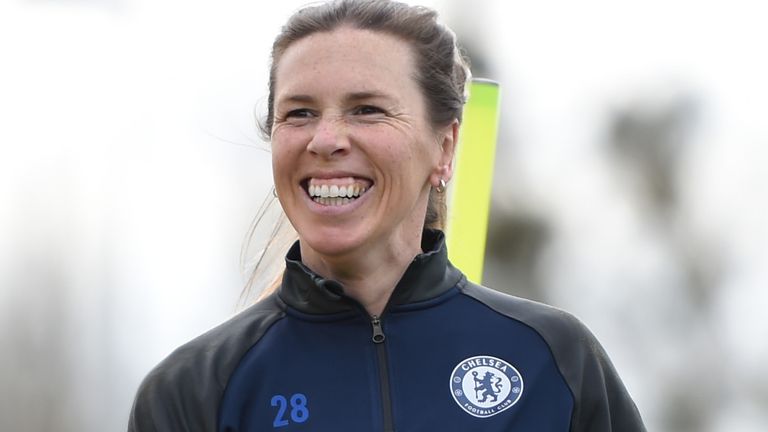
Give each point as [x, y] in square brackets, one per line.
[332, 201]
[335, 191]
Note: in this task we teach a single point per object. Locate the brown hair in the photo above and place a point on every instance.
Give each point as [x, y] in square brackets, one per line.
[442, 71]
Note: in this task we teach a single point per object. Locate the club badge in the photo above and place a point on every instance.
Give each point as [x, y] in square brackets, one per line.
[484, 386]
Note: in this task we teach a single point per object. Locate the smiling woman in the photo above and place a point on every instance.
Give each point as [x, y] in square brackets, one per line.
[348, 115]
[365, 105]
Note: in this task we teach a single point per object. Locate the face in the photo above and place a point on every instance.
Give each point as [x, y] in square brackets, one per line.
[353, 153]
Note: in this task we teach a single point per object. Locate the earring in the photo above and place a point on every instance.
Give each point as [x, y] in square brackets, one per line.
[274, 192]
[440, 187]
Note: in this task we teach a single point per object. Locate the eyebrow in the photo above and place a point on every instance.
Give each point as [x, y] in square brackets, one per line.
[350, 97]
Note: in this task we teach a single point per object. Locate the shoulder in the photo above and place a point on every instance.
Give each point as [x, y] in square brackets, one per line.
[556, 326]
[184, 390]
[601, 402]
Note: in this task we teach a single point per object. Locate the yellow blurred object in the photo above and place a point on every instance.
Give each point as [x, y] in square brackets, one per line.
[470, 191]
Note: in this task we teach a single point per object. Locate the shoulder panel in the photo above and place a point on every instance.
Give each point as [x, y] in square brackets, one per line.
[183, 392]
[602, 403]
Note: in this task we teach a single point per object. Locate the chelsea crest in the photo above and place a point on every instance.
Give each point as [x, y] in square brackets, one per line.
[484, 386]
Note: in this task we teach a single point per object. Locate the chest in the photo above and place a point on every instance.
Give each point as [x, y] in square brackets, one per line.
[444, 368]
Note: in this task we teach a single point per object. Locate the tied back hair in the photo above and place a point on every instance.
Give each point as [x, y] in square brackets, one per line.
[441, 73]
[265, 268]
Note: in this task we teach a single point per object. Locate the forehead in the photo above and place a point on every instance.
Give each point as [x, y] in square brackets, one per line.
[346, 59]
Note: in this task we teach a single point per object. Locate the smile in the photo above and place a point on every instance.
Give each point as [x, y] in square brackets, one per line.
[336, 191]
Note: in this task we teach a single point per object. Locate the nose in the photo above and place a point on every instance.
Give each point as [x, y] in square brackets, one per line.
[330, 139]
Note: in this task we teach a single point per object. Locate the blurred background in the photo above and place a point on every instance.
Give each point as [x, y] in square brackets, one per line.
[628, 183]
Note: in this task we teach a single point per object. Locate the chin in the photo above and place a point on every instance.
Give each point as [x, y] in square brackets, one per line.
[331, 242]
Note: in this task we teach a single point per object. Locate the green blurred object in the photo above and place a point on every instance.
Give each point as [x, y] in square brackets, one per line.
[470, 191]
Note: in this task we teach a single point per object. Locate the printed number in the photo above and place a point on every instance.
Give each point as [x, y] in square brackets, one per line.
[299, 410]
[279, 401]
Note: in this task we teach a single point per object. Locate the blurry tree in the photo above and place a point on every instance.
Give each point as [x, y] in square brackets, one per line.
[649, 138]
[513, 252]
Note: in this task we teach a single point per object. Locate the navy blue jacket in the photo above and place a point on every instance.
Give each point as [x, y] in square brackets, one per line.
[446, 355]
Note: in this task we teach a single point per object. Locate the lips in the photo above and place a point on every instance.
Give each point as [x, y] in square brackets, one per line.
[336, 191]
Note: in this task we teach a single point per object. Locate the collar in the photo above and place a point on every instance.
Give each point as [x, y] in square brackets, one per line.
[429, 275]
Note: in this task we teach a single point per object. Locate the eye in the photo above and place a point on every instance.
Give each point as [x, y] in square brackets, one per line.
[367, 110]
[299, 113]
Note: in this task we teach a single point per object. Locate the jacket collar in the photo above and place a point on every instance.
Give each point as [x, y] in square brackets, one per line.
[429, 275]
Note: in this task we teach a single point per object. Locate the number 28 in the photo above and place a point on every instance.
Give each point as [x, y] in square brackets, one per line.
[299, 412]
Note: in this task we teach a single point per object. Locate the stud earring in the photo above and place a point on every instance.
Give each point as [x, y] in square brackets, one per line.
[440, 187]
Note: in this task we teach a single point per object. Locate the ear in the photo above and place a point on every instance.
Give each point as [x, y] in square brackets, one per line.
[449, 137]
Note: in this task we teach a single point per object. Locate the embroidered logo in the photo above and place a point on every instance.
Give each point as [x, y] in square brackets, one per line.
[484, 386]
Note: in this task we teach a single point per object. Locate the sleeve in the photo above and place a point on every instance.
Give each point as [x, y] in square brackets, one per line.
[174, 398]
[602, 403]
[183, 392]
[150, 414]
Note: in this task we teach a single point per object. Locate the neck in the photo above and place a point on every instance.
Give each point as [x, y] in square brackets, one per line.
[370, 277]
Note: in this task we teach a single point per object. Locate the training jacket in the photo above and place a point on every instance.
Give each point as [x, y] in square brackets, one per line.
[445, 355]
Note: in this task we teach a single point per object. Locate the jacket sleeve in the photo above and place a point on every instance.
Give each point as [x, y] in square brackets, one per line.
[178, 395]
[601, 402]
[183, 392]
[153, 411]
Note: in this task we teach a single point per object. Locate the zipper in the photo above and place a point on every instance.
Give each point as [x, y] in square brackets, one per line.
[378, 334]
[378, 339]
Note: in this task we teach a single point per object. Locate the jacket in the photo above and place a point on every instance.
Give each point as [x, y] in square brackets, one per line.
[446, 355]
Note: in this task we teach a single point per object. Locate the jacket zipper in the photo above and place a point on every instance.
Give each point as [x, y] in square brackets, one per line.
[378, 339]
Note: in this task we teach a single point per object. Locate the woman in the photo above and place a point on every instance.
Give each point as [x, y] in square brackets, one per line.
[372, 329]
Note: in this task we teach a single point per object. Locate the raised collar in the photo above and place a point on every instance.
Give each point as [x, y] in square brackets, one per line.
[429, 275]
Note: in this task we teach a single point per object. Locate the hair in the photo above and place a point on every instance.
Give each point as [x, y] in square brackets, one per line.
[442, 71]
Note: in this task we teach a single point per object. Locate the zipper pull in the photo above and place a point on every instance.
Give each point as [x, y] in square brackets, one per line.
[378, 333]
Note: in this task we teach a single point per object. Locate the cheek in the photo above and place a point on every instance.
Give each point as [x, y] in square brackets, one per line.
[419, 154]
[391, 147]
[286, 147]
